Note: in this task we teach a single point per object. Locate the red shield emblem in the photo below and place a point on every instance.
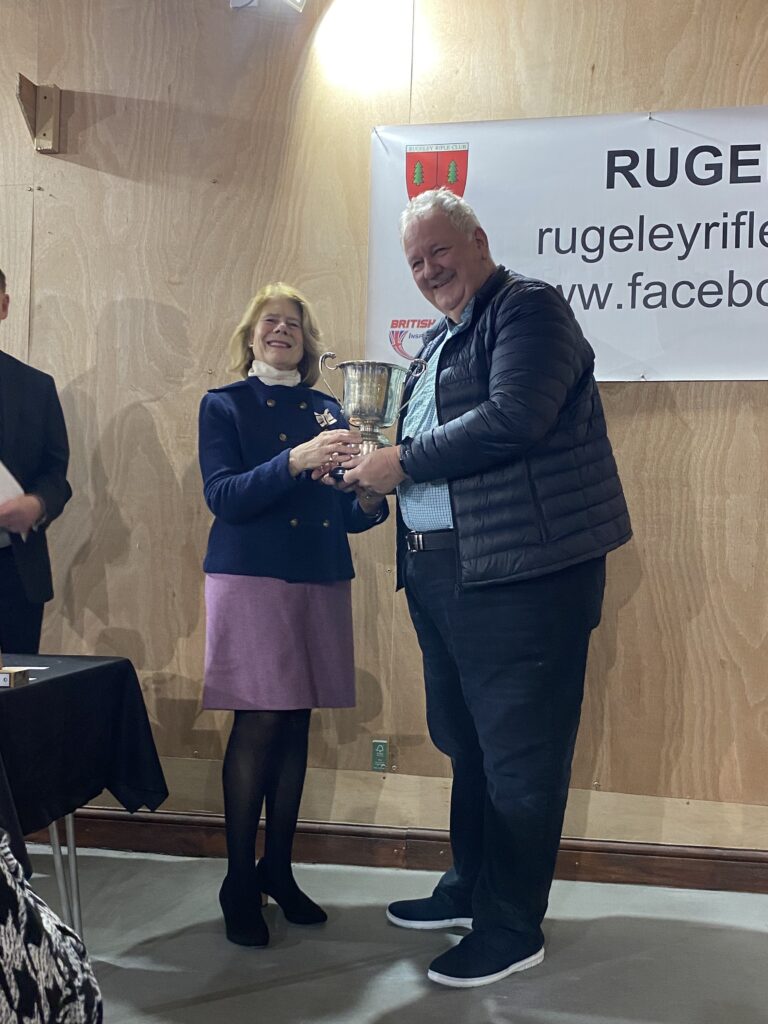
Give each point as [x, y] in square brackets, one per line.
[429, 167]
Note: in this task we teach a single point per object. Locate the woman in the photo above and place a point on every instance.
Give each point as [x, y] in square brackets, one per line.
[277, 590]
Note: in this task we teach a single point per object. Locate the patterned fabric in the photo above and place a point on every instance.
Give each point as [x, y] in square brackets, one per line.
[45, 976]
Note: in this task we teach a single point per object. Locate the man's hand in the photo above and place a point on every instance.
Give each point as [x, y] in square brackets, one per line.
[377, 473]
[20, 514]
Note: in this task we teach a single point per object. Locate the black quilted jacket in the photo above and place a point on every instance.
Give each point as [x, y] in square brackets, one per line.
[522, 439]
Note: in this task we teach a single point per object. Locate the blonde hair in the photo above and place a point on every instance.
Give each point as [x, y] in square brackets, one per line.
[240, 342]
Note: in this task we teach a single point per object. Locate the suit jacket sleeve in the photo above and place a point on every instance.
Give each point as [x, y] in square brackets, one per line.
[358, 521]
[50, 481]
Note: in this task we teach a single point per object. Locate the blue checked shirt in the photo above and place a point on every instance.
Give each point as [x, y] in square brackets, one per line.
[427, 506]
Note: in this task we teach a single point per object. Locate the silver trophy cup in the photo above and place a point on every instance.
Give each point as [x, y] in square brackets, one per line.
[373, 394]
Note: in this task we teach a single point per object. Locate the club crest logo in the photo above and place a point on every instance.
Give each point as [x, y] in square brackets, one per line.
[429, 167]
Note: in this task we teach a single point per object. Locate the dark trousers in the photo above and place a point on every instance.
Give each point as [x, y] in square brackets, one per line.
[504, 672]
[21, 620]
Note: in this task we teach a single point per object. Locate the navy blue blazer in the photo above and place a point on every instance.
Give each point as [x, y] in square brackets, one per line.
[268, 523]
[34, 447]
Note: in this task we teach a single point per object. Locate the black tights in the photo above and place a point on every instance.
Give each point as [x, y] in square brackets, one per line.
[266, 759]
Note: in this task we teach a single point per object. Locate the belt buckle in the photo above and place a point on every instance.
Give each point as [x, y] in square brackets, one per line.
[415, 541]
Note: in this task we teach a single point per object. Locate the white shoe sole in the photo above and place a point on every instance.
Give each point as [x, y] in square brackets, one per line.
[428, 926]
[488, 979]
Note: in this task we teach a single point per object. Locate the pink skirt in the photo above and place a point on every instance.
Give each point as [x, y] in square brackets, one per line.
[277, 646]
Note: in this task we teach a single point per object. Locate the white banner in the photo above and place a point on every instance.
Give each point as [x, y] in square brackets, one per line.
[653, 226]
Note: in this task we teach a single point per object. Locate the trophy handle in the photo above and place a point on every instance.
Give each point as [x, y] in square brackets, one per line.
[324, 358]
[417, 367]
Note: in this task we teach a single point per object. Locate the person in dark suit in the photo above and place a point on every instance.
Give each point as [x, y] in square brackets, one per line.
[35, 450]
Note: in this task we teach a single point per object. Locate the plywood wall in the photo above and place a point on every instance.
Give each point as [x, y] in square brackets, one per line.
[205, 151]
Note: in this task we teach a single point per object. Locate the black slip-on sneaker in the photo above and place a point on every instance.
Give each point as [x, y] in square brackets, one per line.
[474, 961]
[432, 912]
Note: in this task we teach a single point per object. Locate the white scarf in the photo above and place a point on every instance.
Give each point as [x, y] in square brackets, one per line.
[270, 375]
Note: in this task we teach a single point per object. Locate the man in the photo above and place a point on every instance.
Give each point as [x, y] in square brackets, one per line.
[508, 501]
[34, 448]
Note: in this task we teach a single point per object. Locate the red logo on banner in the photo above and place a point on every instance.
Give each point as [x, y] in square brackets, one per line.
[396, 340]
[408, 333]
[429, 167]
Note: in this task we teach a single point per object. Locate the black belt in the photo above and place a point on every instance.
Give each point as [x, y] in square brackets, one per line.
[433, 540]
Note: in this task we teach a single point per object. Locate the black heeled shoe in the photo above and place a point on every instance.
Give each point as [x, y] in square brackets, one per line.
[295, 904]
[241, 906]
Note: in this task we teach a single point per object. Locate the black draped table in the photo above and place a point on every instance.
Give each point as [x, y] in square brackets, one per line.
[77, 728]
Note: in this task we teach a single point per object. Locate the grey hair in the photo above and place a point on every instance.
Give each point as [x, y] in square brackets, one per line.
[440, 200]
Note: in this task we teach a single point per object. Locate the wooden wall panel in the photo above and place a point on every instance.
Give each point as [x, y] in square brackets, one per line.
[17, 161]
[677, 702]
[16, 217]
[206, 151]
[550, 58]
[19, 55]
[342, 739]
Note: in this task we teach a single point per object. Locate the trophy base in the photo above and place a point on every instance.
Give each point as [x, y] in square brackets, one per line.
[371, 439]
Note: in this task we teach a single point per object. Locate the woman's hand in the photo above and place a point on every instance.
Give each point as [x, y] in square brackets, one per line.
[369, 501]
[328, 449]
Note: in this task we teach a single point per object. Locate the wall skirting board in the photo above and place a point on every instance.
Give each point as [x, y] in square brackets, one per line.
[202, 835]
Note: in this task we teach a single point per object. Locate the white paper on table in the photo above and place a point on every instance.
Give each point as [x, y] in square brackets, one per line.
[9, 487]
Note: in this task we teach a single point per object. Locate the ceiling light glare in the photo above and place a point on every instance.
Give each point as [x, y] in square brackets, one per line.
[364, 46]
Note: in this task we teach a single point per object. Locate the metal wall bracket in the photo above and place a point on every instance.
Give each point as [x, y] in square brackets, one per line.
[41, 106]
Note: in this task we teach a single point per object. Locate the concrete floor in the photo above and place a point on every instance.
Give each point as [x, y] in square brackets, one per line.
[615, 953]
